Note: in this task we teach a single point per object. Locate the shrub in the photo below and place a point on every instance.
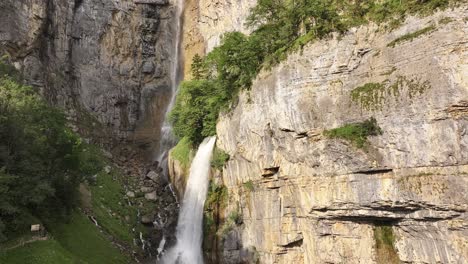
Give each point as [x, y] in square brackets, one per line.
[356, 133]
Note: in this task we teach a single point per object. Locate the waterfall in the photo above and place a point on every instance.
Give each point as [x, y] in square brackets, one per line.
[188, 248]
[167, 140]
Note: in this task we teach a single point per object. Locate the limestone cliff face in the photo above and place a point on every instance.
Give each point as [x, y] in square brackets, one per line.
[305, 198]
[108, 58]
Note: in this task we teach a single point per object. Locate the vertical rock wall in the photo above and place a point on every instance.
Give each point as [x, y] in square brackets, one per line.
[306, 198]
[103, 59]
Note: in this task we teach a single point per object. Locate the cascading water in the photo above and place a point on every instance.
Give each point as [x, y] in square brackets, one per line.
[167, 140]
[188, 248]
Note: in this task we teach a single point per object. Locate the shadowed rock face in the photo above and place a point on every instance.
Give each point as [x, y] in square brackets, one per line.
[107, 58]
[312, 199]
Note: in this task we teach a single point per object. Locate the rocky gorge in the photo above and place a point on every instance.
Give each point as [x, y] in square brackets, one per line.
[290, 190]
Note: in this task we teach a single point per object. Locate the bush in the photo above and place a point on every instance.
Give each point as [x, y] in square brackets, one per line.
[196, 110]
[356, 133]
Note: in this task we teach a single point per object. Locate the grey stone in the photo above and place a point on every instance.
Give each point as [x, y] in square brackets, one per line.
[151, 196]
[148, 67]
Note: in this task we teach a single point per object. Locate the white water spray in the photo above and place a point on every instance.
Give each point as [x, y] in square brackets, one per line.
[167, 138]
[188, 248]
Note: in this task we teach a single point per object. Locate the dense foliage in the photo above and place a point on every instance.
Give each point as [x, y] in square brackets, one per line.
[280, 26]
[42, 161]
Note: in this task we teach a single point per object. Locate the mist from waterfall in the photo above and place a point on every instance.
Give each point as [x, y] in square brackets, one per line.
[167, 140]
[188, 248]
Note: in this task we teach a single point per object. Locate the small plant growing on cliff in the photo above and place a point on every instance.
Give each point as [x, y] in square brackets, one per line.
[356, 133]
[234, 219]
[249, 186]
[411, 36]
[219, 158]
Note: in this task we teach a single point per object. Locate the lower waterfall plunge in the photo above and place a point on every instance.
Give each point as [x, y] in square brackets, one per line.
[188, 248]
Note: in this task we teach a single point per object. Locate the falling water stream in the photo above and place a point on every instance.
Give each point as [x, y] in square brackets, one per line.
[188, 248]
[167, 140]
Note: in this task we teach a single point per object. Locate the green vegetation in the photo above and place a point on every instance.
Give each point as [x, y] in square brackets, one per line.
[219, 158]
[183, 152]
[279, 27]
[385, 240]
[356, 133]
[217, 196]
[42, 161]
[411, 36]
[446, 20]
[76, 241]
[248, 185]
[82, 238]
[371, 96]
[234, 219]
[215, 203]
[111, 210]
[42, 164]
[39, 252]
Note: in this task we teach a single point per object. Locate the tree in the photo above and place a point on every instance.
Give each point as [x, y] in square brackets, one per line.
[42, 161]
[199, 71]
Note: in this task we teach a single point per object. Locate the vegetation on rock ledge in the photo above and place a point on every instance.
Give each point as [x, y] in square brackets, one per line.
[356, 133]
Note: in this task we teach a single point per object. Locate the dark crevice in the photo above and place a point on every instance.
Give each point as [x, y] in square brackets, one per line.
[374, 171]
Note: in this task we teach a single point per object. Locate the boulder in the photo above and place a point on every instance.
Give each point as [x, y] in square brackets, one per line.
[152, 196]
[147, 219]
[153, 176]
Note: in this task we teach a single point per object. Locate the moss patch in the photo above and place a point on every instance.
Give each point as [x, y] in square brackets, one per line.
[356, 133]
[215, 204]
[411, 36]
[384, 241]
[372, 96]
[183, 152]
[219, 158]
